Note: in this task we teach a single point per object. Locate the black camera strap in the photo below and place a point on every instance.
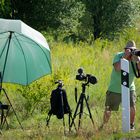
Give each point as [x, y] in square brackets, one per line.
[136, 70]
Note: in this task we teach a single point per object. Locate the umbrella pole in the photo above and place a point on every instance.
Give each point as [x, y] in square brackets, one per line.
[1, 80]
[2, 74]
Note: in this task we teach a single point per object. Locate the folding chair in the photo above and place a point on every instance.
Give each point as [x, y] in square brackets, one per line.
[4, 111]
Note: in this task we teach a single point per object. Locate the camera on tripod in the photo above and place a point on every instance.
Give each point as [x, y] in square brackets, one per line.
[135, 52]
[88, 78]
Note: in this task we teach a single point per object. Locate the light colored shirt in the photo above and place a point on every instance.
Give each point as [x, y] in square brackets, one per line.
[115, 82]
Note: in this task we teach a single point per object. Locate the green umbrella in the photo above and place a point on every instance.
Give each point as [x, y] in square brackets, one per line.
[24, 53]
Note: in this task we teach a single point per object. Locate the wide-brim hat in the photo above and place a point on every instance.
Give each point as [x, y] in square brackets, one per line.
[130, 45]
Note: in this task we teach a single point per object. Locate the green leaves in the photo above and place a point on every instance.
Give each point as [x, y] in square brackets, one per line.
[111, 16]
[5, 9]
[75, 20]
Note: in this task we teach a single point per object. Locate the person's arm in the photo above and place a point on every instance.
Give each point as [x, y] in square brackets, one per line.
[127, 55]
[117, 66]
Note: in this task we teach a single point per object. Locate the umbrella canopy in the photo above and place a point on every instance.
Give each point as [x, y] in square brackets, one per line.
[24, 53]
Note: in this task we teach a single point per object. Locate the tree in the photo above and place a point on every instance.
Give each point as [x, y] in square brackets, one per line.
[5, 9]
[59, 16]
[111, 16]
[71, 20]
[76, 19]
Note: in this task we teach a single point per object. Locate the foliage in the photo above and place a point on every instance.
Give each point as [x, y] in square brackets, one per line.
[5, 9]
[70, 19]
[110, 17]
[49, 11]
[76, 20]
[36, 96]
[32, 102]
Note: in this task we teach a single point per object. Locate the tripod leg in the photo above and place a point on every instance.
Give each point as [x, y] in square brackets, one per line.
[64, 125]
[69, 120]
[12, 108]
[81, 113]
[2, 116]
[62, 101]
[89, 111]
[48, 119]
[75, 113]
[70, 117]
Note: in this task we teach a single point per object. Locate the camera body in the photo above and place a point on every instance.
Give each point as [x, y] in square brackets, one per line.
[135, 52]
[85, 77]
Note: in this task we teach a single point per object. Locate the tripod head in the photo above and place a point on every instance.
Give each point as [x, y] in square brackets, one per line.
[59, 83]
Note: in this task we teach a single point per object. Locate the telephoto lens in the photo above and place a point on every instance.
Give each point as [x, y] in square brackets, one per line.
[136, 52]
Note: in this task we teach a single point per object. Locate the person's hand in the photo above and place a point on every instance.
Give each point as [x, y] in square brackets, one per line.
[127, 54]
[135, 58]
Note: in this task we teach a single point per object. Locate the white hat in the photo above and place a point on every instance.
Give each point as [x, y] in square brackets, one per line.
[130, 45]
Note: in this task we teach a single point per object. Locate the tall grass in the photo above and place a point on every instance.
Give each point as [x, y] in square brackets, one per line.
[32, 103]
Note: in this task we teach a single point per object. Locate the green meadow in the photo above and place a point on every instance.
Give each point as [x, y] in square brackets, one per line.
[32, 103]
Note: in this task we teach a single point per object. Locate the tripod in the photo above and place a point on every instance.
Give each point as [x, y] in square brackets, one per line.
[80, 105]
[49, 117]
[62, 107]
[2, 122]
[59, 105]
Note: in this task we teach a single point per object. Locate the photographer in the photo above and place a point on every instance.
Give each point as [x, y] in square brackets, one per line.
[113, 94]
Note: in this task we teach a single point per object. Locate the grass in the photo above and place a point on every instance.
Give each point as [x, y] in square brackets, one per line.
[95, 59]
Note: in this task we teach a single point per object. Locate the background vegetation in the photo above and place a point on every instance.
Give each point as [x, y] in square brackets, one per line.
[32, 102]
[80, 33]
[76, 20]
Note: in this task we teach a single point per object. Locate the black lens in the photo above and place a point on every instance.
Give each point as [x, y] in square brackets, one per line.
[92, 79]
[137, 52]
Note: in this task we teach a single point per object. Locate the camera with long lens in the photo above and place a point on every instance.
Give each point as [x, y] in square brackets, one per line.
[135, 52]
[88, 78]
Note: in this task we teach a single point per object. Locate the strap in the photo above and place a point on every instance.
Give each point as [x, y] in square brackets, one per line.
[136, 71]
